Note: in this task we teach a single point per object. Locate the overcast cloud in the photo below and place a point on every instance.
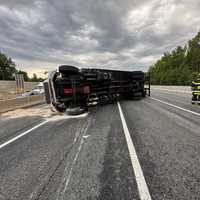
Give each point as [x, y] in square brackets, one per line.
[129, 34]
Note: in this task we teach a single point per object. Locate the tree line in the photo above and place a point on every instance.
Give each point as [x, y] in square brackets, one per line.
[178, 67]
[8, 70]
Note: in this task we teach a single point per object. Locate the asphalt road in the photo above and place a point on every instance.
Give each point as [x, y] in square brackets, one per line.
[45, 156]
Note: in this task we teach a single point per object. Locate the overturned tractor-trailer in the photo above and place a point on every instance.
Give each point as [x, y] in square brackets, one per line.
[70, 87]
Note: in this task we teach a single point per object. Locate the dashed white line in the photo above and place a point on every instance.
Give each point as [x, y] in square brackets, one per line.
[180, 108]
[139, 176]
[22, 134]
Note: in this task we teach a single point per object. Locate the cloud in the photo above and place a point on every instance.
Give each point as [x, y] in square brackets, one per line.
[112, 34]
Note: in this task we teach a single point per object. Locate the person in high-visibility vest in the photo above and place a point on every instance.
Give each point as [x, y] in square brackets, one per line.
[196, 90]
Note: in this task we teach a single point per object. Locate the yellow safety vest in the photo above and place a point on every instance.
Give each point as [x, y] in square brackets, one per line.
[195, 88]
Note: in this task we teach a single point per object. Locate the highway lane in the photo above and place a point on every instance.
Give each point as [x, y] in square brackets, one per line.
[29, 162]
[38, 165]
[176, 98]
[167, 143]
[14, 122]
[88, 157]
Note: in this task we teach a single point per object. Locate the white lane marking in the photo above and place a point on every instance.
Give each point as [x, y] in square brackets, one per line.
[172, 105]
[86, 136]
[55, 118]
[139, 176]
[22, 134]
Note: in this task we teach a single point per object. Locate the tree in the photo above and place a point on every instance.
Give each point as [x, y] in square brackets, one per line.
[34, 79]
[25, 74]
[7, 68]
[178, 67]
[193, 53]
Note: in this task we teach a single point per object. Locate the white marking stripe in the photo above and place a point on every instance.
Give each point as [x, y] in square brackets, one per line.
[140, 180]
[22, 134]
[180, 108]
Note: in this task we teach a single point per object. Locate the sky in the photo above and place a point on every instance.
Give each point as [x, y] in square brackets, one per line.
[40, 35]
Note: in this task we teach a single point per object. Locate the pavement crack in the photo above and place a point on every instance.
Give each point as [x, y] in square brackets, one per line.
[52, 175]
[69, 168]
[78, 138]
[3, 197]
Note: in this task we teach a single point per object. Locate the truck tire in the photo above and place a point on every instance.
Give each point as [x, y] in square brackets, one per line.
[67, 69]
[76, 111]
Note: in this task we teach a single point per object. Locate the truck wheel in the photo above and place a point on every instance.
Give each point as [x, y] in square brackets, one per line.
[67, 69]
[76, 111]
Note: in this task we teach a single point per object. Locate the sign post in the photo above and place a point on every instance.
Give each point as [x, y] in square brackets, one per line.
[19, 79]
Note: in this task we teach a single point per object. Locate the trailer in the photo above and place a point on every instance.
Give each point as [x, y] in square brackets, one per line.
[70, 87]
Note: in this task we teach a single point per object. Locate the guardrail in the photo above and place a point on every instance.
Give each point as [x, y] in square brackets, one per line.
[12, 104]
